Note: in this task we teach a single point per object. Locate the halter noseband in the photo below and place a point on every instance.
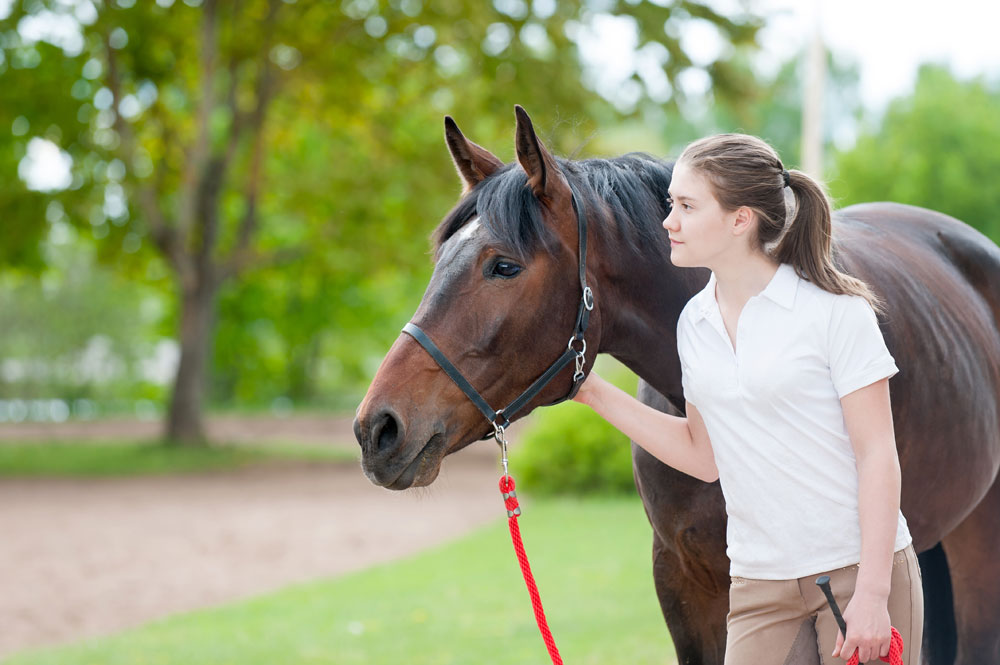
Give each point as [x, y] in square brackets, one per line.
[501, 419]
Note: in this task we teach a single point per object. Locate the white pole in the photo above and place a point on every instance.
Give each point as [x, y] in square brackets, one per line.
[812, 107]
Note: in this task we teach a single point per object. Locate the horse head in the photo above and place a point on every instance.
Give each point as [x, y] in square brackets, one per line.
[501, 305]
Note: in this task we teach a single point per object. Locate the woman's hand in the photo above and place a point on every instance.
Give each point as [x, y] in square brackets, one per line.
[867, 618]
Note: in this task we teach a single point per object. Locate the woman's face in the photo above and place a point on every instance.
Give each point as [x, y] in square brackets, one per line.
[700, 230]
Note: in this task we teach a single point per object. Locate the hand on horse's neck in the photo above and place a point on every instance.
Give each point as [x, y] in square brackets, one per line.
[736, 283]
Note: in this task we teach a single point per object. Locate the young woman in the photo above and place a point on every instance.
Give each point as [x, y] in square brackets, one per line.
[786, 379]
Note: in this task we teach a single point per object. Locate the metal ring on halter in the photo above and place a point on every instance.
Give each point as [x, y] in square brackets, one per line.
[588, 298]
[583, 341]
[497, 417]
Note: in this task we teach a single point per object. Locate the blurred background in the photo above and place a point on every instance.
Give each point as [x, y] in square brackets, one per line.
[233, 200]
[215, 213]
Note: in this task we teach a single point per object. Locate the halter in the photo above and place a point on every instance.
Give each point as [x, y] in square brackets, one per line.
[500, 419]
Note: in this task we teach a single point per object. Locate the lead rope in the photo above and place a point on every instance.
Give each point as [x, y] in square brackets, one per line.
[895, 656]
[513, 512]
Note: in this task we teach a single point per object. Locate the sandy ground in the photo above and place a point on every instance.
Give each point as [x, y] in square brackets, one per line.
[88, 557]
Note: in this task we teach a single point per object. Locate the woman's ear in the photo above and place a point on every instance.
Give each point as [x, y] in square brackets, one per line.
[743, 220]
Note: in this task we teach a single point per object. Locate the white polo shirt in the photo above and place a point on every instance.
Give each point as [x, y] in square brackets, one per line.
[772, 410]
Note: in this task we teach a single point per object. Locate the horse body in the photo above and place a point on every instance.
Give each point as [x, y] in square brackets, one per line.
[941, 283]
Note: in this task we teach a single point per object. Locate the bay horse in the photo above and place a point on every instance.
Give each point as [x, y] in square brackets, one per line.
[502, 299]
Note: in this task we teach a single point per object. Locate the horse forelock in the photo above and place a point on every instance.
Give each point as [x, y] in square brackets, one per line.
[631, 190]
[507, 210]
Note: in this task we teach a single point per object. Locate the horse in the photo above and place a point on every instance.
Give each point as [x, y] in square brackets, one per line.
[503, 297]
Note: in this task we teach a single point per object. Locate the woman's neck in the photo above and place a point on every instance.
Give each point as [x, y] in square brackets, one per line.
[739, 280]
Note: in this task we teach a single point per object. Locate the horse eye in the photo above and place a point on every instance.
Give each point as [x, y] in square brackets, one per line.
[506, 269]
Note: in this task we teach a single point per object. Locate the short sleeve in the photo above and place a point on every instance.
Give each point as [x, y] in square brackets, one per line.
[857, 352]
[682, 349]
[685, 389]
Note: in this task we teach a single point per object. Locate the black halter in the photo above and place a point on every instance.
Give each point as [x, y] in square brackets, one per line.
[501, 419]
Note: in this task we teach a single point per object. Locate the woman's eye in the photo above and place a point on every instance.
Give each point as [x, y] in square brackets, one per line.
[506, 269]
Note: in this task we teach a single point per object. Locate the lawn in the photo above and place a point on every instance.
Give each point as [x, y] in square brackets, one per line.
[79, 458]
[463, 602]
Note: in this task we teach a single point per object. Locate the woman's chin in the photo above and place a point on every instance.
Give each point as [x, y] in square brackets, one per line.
[677, 258]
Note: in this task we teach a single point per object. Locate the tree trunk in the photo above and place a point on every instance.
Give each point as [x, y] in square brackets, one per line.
[185, 422]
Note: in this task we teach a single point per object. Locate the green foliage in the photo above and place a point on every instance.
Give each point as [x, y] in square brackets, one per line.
[569, 449]
[936, 148]
[354, 170]
[76, 458]
[461, 603]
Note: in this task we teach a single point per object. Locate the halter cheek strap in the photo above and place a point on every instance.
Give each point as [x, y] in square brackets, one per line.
[501, 419]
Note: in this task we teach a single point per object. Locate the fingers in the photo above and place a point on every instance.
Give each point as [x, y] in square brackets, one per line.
[868, 649]
[847, 648]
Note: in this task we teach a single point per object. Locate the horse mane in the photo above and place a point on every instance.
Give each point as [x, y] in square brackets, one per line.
[632, 188]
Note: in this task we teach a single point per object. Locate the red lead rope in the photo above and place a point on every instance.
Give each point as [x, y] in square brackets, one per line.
[895, 656]
[513, 511]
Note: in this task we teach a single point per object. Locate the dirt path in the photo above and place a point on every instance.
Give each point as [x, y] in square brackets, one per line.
[87, 557]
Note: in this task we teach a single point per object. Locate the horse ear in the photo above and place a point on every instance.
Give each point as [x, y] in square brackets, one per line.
[544, 176]
[474, 163]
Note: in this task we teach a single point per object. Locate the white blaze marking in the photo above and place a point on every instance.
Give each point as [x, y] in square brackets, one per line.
[467, 231]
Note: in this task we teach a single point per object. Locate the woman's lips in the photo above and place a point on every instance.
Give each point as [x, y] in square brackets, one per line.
[674, 242]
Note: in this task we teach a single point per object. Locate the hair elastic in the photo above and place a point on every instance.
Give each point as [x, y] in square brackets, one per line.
[784, 174]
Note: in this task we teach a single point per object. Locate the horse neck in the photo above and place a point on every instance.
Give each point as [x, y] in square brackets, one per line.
[641, 295]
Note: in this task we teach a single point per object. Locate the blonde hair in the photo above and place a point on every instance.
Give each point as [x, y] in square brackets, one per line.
[745, 171]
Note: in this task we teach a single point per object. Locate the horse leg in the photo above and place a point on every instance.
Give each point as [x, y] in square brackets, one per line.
[690, 566]
[697, 621]
[939, 611]
[972, 550]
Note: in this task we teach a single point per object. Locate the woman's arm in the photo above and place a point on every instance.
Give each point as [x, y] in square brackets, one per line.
[682, 443]
[868, 418]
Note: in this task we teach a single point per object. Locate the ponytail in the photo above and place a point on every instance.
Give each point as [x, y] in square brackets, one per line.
[806, 245]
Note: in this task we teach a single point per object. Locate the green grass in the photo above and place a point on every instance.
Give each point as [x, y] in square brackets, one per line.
[78, 458]
[464, 602]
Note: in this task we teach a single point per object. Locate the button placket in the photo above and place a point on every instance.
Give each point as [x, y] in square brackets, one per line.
[731, 380]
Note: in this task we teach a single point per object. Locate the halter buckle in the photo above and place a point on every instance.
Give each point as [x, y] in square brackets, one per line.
[581, 356]
[588, 298]
[581, 360]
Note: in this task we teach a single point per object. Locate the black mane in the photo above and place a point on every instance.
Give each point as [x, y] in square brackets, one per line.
[633, 188]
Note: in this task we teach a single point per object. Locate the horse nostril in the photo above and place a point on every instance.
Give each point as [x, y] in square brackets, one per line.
[385, 432]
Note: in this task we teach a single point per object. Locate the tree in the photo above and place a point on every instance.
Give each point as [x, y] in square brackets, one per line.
[183, 119]
[935, 148]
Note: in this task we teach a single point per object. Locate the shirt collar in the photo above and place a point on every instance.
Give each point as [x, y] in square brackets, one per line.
[781, 290]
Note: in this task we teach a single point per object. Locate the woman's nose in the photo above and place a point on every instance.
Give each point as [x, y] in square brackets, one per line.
[667, 221]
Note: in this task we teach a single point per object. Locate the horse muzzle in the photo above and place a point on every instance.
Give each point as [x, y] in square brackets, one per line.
[394, 458]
